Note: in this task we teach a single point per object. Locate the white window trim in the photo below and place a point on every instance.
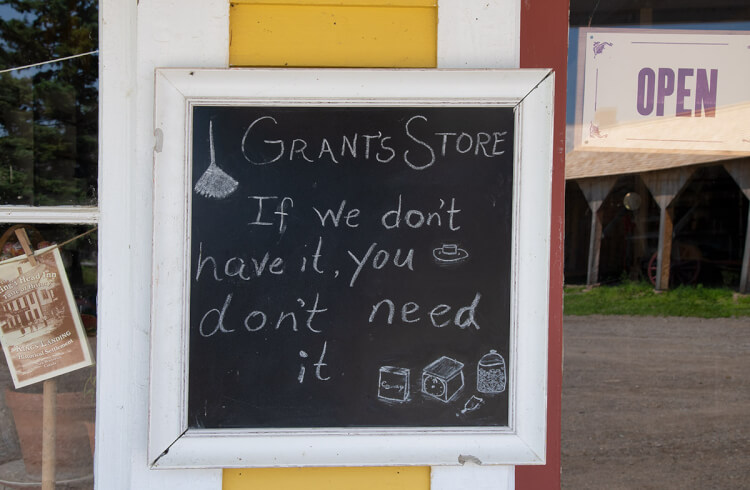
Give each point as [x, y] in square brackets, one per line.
[50, 214]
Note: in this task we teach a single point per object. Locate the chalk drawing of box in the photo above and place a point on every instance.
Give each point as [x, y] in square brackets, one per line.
[443, 379]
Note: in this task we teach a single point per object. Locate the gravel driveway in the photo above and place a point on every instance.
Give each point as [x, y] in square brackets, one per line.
[656, 403]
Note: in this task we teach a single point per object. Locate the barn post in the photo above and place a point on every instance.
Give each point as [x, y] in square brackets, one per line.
[595, 190]
[664, 186]
[740, 171]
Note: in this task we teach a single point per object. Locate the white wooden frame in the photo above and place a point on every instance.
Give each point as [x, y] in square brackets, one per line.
[173, 445]
[136, 37]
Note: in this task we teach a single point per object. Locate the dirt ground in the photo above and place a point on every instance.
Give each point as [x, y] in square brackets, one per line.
[656, 403]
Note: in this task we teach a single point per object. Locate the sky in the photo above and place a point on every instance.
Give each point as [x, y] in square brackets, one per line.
[7, 12]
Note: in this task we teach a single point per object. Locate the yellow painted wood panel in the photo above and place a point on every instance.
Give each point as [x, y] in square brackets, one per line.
[372, 3]
[388, 478]
[332, 36]
[335, 33]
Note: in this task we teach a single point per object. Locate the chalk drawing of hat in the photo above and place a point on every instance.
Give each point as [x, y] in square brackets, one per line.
[449, 253]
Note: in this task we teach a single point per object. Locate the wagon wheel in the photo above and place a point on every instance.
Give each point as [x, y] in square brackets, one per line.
[686, 264]
[684, 267]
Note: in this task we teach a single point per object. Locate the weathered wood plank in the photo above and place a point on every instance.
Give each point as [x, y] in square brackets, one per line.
[744, 283]
[595, 191]
[664, 254]
[595, 244]
[740, 172]
[664, 187]
[666, 184]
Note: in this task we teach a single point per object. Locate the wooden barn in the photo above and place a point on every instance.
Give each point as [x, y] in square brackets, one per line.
[667, 217]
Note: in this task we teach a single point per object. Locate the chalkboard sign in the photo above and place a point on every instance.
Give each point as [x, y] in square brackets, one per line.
[350, 267]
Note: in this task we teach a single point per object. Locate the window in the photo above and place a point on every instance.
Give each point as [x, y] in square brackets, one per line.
[48, 186]
[657, 235]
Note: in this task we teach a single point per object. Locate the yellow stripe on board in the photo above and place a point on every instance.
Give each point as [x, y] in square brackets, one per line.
[332, 33]
[332, 36]
[370, 3]
[385, 478]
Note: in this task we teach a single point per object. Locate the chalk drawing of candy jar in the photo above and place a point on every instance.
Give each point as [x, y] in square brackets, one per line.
[491, 374]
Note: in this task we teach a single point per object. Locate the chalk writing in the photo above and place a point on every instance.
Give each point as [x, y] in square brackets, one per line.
[356, 258]
[213, 321]
[415, 218]
[318, 365]
[420, 151]
[378, 260]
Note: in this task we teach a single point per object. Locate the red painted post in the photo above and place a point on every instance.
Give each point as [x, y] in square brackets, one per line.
[544, 44]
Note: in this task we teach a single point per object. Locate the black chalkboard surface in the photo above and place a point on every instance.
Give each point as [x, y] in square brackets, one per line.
[350, 266]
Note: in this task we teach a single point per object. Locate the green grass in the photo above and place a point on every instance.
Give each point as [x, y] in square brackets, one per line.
[89, 274]
[640, 299]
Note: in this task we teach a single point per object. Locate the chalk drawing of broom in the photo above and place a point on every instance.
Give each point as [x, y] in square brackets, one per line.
[215, 182]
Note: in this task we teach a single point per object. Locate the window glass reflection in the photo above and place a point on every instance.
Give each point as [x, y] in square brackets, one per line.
[657, 245]
[21, 410]
[48, 111]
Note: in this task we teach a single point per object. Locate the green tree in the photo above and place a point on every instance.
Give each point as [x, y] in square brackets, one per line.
[48, 114]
